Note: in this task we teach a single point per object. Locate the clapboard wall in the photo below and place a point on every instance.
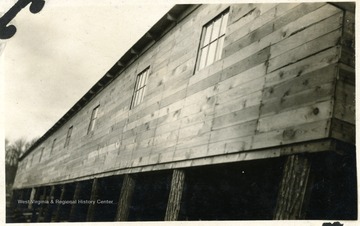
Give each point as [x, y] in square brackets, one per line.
[285, 77]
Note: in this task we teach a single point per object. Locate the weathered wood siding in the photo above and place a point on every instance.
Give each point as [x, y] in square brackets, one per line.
[343, 124]
[274, 85]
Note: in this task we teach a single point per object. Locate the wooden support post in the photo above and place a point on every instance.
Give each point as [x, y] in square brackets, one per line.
[124, 203]
[176, 190]
[94, 196]
[58, 209]
[35, 213]
[50, 206]
[42, 206]
[74, 207]
[32, 196]
[293, 188]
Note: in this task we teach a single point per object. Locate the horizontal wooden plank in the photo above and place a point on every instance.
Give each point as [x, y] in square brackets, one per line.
[241, 90]
[308, 49]
[193, 141]
[347, 57]
[241, 78]
[288, 18]
[307, 114]
[345, 111]
[244, 65]
[306, 34]
[296, 100]
[210, 81]
[292, 134]
[242, 14]
[230, 145]
[343, 131]
[304, 66]
[195, 129]
[237, 104]
[347, 74]
[239, 130]
[266, 35]
[261, 20]
[236, 117]
[302, 82]
[190, 152]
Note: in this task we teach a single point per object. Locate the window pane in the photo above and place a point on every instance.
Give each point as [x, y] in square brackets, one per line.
[143, 79]
[136, 98]
[96, 112]
[139, 82]
[142, 94]
[224, 23]
[215, 33]
[203, 57]
[92, 125]
[41, 154]
[207, 34]
[144, 75]
[211, 55]
[219, 48]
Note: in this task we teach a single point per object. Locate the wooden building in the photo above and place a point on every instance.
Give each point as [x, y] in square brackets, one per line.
[219, 112]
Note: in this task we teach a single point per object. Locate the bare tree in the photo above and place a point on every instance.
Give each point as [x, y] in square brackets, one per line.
[16, 149]
[30, 143]
[13, 151]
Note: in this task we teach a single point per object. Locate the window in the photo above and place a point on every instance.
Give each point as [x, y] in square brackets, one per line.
[31, 160]
[212, 40]
[93, 119]
[140, 86]
[41, 154]
[53, 145]
[67, 141]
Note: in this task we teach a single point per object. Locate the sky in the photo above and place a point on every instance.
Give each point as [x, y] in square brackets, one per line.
[57, 55]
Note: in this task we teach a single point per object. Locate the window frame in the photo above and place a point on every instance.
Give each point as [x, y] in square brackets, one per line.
[31, 161]
[53, 146]
[41, 153]
[220, 38]
[93, 119]
[68, 136]
[139, 92]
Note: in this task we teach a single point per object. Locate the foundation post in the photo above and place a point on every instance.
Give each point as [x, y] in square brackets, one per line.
[176, 190]
[35, 212]
[293, 188]
[125, 199]
[58, 209]
[50, 206]
[74, 207]
[42, 206]
[94, 196]
[32, 196]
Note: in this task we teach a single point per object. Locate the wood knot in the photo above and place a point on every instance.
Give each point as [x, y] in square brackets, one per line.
[281, 74]
[271, 90]
[316, 111]
[289, 133]
[299, 73]
[286, 93]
